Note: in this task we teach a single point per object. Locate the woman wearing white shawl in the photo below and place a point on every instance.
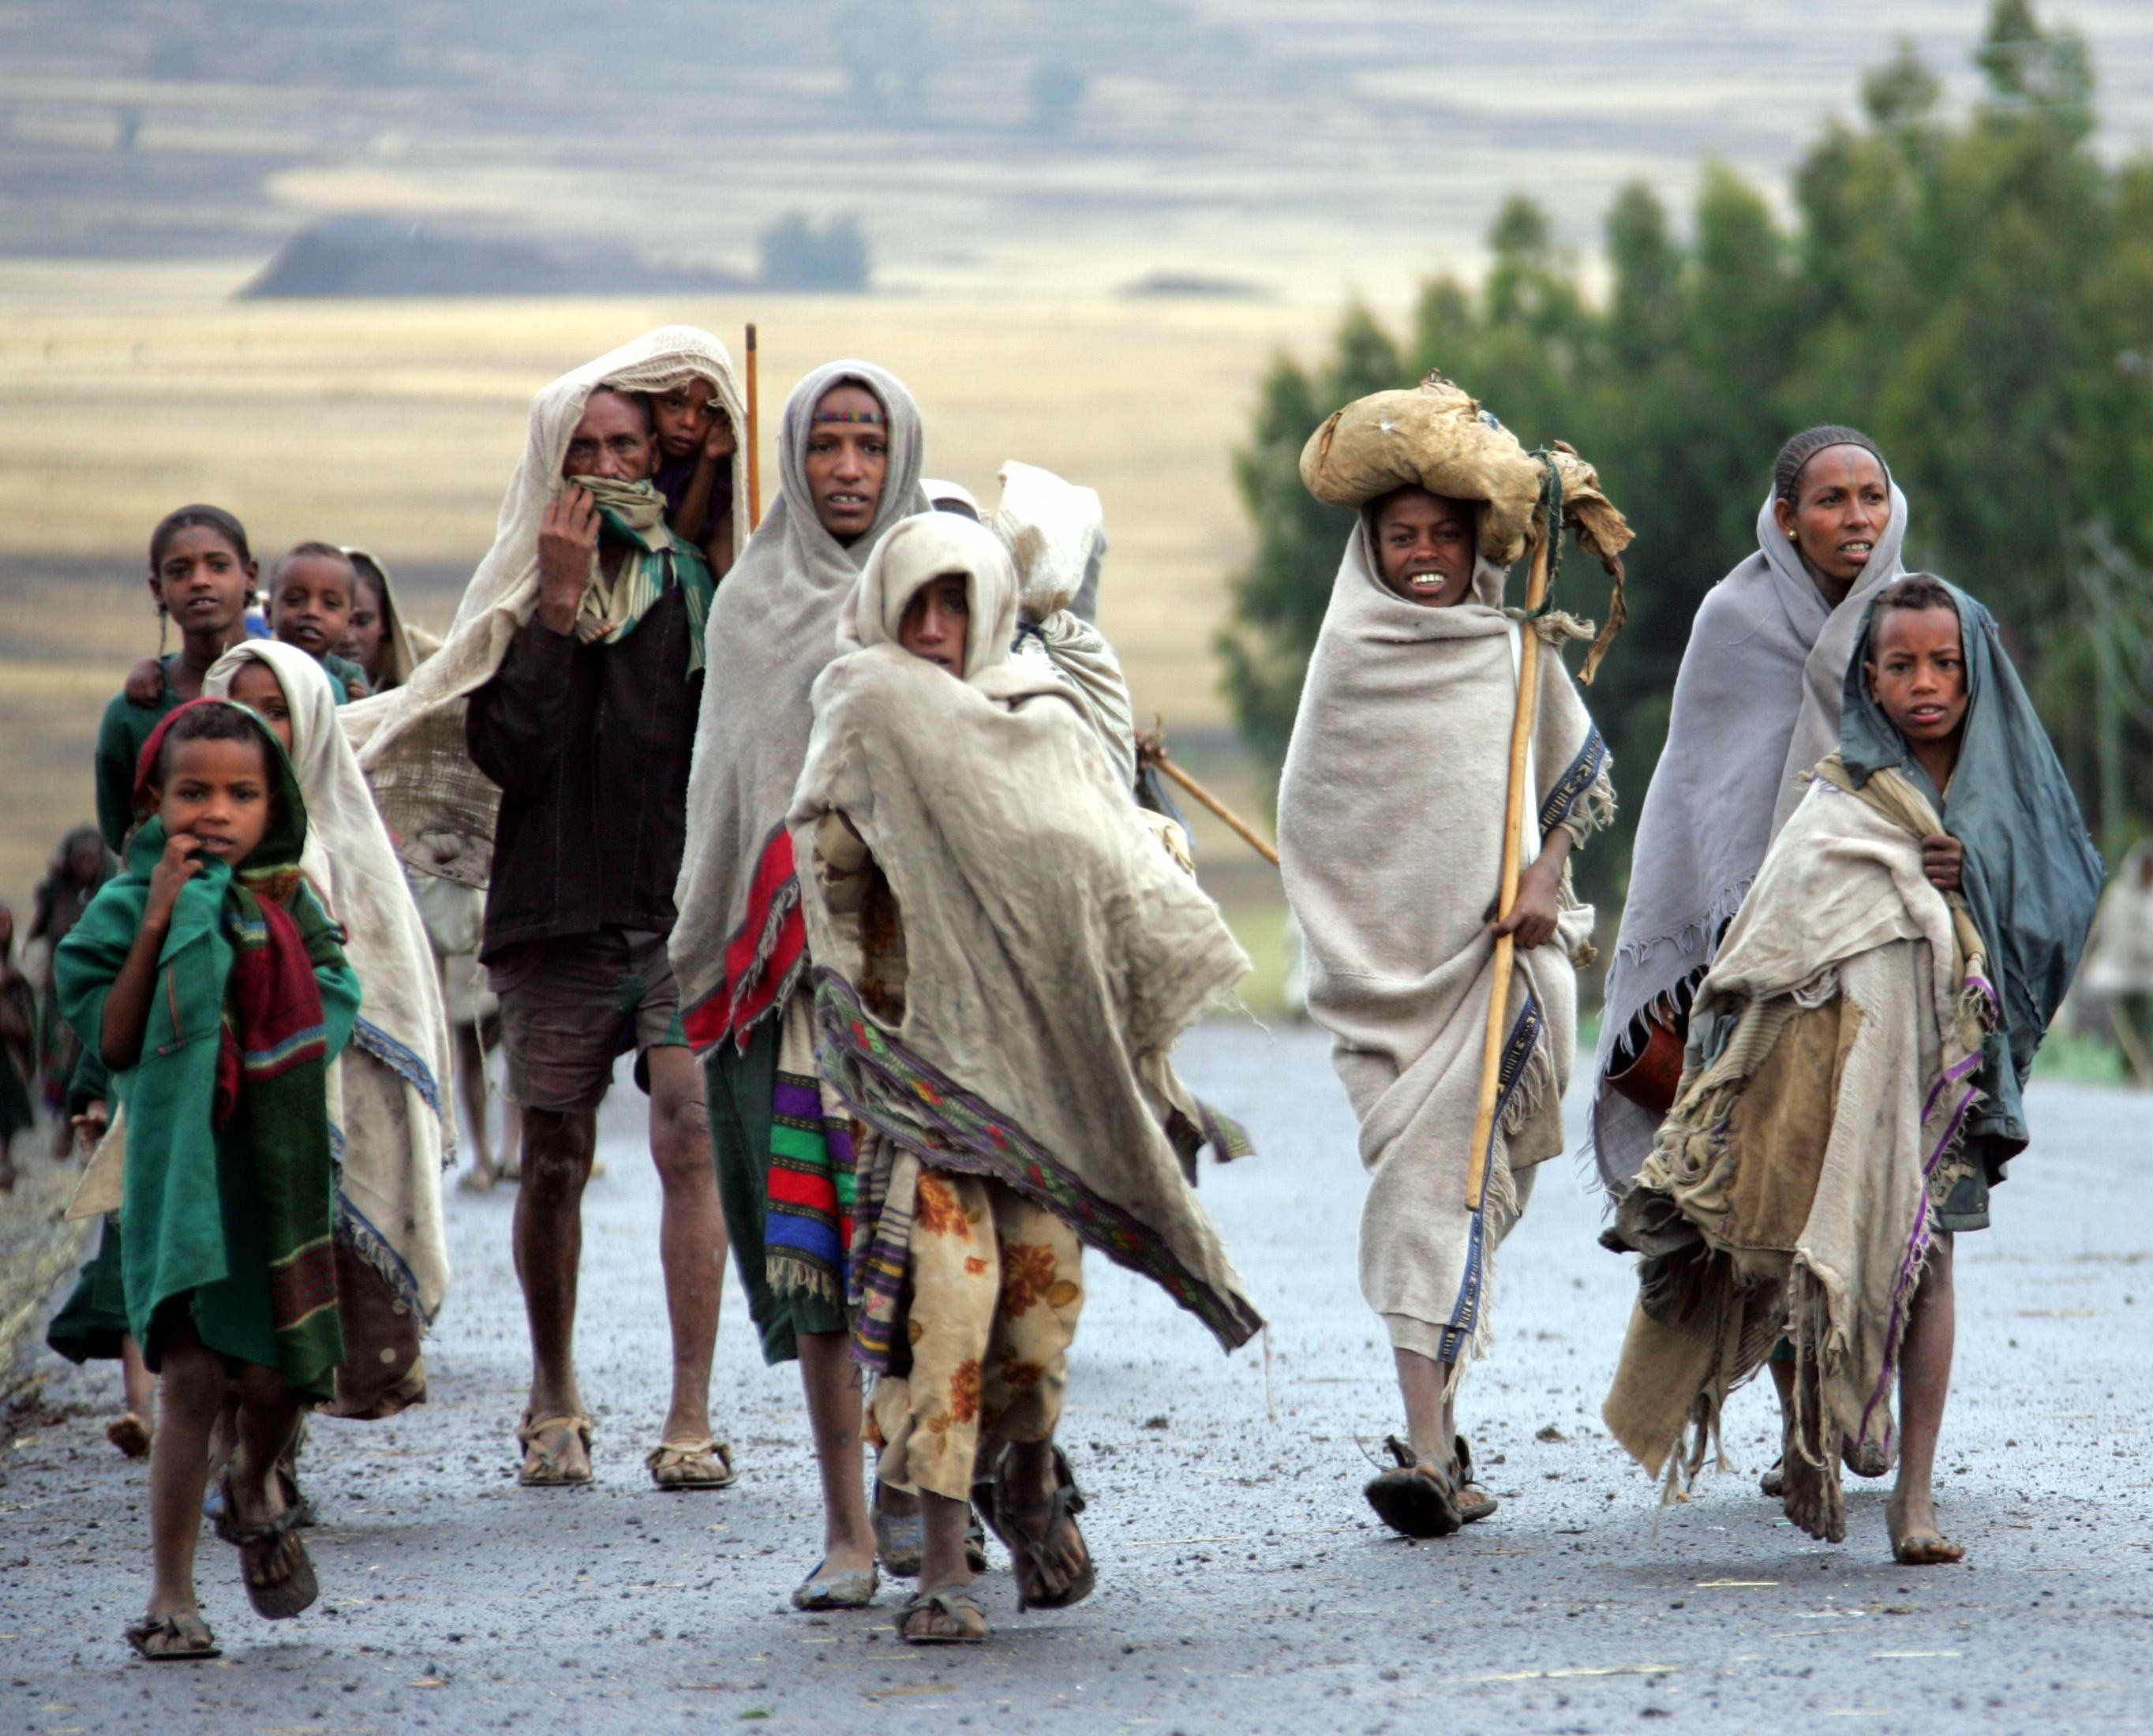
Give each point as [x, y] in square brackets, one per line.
[380, 638]
[439, 807]
[389, 1095]
[1003, 959]
[1756, 704]
[1391, 810]
[738, 947]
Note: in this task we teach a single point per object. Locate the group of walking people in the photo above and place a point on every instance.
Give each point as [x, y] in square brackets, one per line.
[833, 822]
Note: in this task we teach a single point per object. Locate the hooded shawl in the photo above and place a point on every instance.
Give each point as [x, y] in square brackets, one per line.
[1054, 953]
[1756, 704]
[403, 646]
[439, 808]
[737, 945]
[230, 1191]
[394, 1076]
[2032, 877]
[1391, 811]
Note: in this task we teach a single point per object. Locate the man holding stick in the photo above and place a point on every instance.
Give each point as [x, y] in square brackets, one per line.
[1442, 770]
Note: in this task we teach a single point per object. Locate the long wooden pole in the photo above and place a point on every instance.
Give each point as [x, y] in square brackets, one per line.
[1521, 743]
[754, 437]
[1249, 835]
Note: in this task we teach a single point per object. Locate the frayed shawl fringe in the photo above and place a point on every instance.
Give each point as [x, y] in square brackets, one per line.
[370, 1245]
[790, 1275]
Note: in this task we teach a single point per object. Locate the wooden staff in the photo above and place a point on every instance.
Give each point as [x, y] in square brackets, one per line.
[1521, 743]
[754, 438]
[1151, 751]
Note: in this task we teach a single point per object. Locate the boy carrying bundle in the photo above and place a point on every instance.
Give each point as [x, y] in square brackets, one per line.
[1392, 816]
[1851, 1089]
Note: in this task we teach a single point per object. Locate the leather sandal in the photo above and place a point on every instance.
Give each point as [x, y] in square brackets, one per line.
[1414, 1499]
[545, 1466]
[1036, 1567]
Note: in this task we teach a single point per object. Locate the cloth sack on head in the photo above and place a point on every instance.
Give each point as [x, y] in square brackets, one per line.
[773, 629]
[392, 1084]
[439, 808]
[1053, 952]
[1391, 820]
[1756, 704]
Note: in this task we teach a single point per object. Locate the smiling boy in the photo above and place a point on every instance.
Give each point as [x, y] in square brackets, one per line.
[311, 588]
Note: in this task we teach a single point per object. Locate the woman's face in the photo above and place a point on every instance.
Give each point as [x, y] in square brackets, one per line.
[1844, 511]
[848, 460]
[366, 627]
[937, 624]
[255, 685]
[1425, 545]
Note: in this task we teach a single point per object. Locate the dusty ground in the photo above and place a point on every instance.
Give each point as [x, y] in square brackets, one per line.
[1242, 1586]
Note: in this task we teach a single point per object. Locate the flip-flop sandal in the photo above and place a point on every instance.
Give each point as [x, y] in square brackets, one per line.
[1028, 1554]
[822, 1591]
[1413, 1498]
[180, 1638]
[545, 1467]
[703, 1463]
[900, 1539]
[131, 1434]
[955, 1607]
[257, 1546]
[1470, 1507]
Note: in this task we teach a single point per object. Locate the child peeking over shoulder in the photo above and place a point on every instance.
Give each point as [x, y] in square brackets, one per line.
[214, 986]
[311, 588]
[696, 442]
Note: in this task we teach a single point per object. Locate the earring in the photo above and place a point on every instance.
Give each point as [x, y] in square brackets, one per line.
[1793, 536]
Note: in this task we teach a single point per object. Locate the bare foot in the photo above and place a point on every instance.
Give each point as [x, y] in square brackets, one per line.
[1812, 1500]
[1915, 1541]
[479, 1178]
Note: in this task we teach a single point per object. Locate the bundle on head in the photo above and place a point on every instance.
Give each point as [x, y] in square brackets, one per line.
[1437, 437]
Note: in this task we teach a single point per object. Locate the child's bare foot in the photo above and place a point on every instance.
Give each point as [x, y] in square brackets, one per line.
[1915, 1541]
[131, 1434]
[479, 1178]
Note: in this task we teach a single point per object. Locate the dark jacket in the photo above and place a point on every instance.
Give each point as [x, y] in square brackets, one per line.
[590, 745]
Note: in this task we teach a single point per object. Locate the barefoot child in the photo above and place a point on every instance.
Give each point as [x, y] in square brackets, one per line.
[1390, 827]
[311, 588]
[971, 850]
[1851, 1090]
[213, 983]
[201, 579]
[388, 1101]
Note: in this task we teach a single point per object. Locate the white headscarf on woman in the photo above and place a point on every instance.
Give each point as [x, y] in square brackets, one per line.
[1054, 953]
[1756, 704]
[773, 629]
[404, 645]
[439, 807]
[394, 1079]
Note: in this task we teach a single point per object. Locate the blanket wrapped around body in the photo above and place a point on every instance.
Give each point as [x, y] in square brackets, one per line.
[1391, 837]
[1054, 952]
[1823, 1106]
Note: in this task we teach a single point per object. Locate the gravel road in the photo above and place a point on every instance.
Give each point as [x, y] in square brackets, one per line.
[1243, 1585]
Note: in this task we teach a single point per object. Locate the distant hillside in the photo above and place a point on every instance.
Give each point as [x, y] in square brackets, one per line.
[1062, 144]
[375, 257]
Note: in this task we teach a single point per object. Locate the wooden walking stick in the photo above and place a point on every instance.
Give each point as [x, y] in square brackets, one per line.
[754, 438]
[1151, 751]
[1521, 744]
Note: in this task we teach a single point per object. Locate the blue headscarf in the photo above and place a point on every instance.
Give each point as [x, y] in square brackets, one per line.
[2032, 877]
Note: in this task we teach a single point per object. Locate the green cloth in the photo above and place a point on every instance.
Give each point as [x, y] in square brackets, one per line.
[341, 671]
[119, 739]
[2032, 877]
[633, 514]
[202, 1219]
[93, 1319]
[741, 1094]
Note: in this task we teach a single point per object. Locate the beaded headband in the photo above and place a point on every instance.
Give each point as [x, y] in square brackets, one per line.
[874, 417]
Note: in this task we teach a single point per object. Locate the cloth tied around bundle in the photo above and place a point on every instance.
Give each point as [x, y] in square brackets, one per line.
[1436, 436]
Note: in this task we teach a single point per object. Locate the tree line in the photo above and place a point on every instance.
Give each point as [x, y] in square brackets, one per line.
[1977, 295]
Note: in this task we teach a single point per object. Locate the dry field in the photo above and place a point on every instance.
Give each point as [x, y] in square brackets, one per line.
[127, 390]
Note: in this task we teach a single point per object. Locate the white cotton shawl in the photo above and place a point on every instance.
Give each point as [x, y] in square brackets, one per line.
[1756, 704]
[1056, 532]
[439, 807]
[1054, 953]
[1391, 813]
[394, 1076]
[773, 629]
[403, 646]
